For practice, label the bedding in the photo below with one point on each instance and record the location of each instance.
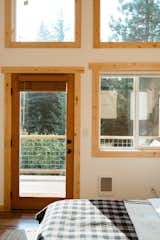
(144, 218)
(155, 202)
(86, 219)
(99, 219)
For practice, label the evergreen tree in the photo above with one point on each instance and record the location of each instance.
(44, 113)
(43, 34)
(54, 33)
(59, 30)
(139, 21)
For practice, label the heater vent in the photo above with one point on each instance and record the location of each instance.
(105, 185)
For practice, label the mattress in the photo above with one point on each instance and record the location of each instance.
(99, 219)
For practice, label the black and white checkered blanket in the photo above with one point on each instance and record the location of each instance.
(84, 219)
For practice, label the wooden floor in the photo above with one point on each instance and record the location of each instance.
(18, 220)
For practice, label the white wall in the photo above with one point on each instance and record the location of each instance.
(132, 178)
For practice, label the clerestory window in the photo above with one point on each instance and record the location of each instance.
(43, 23)
(126, 23)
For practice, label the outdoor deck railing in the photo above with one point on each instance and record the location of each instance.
(42, 154)
(123, 141)
(116, 141)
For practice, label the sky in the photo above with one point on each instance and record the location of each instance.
(30, 16)
(108, 9)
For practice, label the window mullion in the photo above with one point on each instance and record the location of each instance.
(136, 112)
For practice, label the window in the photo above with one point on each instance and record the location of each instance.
(43, 23)
(126, 23)
(126, 110)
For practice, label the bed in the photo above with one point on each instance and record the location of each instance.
(100, 219)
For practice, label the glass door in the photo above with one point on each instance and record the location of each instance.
(42, 159)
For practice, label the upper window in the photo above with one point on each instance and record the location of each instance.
(126, 112)
(127, 23)
(43, 23)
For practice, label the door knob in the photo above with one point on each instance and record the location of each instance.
(69, 151)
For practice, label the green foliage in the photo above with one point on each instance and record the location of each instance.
(43, 113)
(42, 154)
(116, 83)
(138, 22)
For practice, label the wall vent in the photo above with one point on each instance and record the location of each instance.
(105, 185)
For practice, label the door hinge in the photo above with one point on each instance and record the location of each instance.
(11, 142)
(11, 91)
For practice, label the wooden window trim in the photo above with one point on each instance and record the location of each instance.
(13, 44)
(97, 68)
(8, 71)
(96, 35)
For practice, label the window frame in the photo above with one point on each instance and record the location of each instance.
(9, 43)
(96, 35)
(97, 70)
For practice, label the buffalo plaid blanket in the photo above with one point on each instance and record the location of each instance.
(86, 219)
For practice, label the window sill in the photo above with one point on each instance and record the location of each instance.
(43, 44)
(127, 153)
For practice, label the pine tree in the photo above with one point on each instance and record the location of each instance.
(139, 21)
(53, 33)
(43, 113)
(59, 30)
(43, 34)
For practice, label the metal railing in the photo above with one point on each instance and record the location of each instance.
(42, 154)
(116, 141)
(124, 141)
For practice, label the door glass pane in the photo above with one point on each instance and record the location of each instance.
(116, 112)
(42, 168)
(149, 111)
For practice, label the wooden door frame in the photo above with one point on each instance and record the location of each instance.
(40, 83)
(8, 71)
